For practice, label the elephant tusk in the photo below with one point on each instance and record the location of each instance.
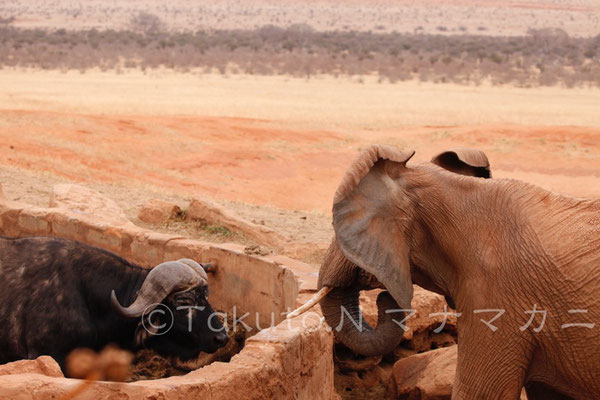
(311, 302)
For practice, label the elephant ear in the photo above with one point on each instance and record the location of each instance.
(465, 162)
(369, 216)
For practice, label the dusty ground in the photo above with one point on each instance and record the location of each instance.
(486, 17)
(135, 137)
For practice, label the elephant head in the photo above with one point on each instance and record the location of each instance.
(375, 216)
(463, 161)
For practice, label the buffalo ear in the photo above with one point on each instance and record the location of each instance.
(141, 336)
(145, 330)
(465, 162)
(369, 216)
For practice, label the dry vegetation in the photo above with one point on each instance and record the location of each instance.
(487, 17)
(544, 57)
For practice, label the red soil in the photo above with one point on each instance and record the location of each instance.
(259, 162)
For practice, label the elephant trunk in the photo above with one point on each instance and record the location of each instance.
(342, 313)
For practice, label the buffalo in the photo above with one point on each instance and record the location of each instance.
(58, 294)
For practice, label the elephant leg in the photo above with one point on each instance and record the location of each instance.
(489, 367)
(539, 391)
(487, 382)
(490, 387)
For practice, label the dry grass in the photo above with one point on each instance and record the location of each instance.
(322, 102)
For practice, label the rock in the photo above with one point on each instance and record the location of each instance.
(419, 337)
(214, 214)
(157, 211)
(43, 365)
(428, 375)
(424, 302)
(256, 250)
(1, 192)
(87, 202)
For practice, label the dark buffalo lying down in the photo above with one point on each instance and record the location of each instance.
(55, 296)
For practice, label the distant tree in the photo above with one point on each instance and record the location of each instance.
(144, 22)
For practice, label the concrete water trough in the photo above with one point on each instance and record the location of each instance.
(281, 358)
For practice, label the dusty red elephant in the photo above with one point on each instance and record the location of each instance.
(485, 244)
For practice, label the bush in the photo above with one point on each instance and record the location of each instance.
(147, 23)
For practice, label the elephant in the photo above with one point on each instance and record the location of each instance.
(518, 264)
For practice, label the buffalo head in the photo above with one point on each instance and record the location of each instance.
(176, 318)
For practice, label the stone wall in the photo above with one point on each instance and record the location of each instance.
(263, 285)
(292, 360)
(278, 364)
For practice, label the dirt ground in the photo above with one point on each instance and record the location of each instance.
(104, 131)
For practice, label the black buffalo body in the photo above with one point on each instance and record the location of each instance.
(55, 296)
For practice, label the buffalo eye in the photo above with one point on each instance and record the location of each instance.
(185, 300)
(185, 303)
